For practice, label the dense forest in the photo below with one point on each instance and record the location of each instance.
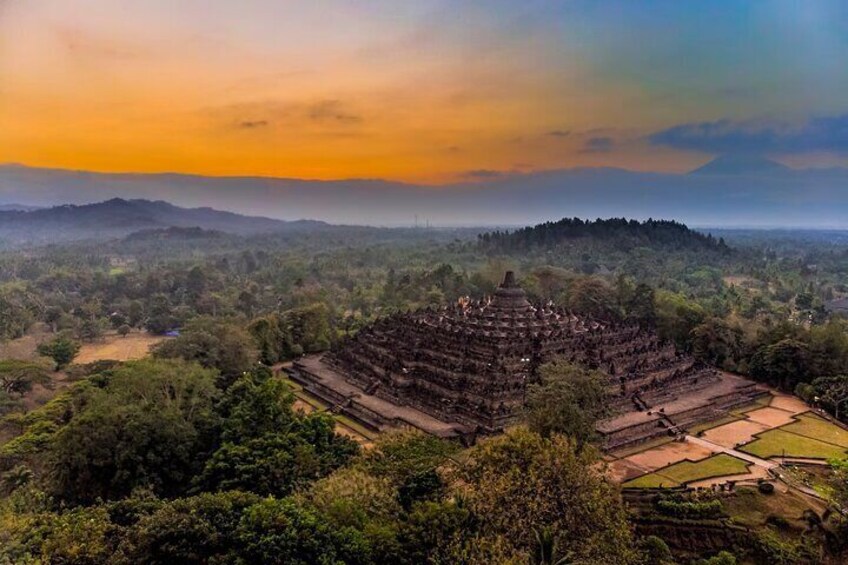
(198, 454)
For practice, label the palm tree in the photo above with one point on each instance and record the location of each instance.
(16, 477)
(545, 551)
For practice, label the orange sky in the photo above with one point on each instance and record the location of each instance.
(426, 91)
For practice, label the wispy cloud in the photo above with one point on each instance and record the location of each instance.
(83, 43)
(483, 174)
(559, 133)
(331, 110)
(828, 134)
(598, 145)
(253, 124)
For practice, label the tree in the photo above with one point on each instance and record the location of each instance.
(640, 305)
(593, 297)
(198, 529)
(18, 377)
(677, 316)
(783, 364)
(717, 343)
(545, 551)
(151, 425)
(520, 482)
(62, 349)
(222, 345)
(401, 456)
(268, 448)
(569, 400)
(277, 463)
(284, 532)
(123, 330)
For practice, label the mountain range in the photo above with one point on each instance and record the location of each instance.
(730, 191)
(118, 217)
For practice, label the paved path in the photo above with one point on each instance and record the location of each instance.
(764, 463)
(786, 478)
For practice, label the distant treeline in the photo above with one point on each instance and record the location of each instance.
(621, 232)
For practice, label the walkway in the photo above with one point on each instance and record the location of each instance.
(771, 466)
(764, 463)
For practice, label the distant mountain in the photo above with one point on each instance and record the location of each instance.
(118, 217)
(17, 208)
(790, 198)
(741, 165)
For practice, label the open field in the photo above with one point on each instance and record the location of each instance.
(24, 347)
(669, 454)
(734, 433)
(789, 403)
(115, 347)
(689, 471)
(771, 417)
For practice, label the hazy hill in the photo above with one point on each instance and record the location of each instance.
(119, 217)
(620, 233)
(17, 208)
(741, 165)
(730, 192)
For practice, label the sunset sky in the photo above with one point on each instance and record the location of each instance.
(425, 91)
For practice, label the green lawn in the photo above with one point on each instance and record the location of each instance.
(356, 426)
(816, 427)
(639, 448)
(694, 430)
(777, 443)
(311, 400)
(690, 471)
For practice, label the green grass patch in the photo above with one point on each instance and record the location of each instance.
(720, 465)
(763, 401)
(355, 426)
(311, 400)
(714, 424)
(777, 443)
(290, 383)
(639, 448)
(816, 427)
(651, 480)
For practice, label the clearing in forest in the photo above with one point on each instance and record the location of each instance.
(117, 348)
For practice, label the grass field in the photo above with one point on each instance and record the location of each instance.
(816, 427)
(750, 508)
(639, 448)
(729, 419)
(134, 346)
(689, 471)
(779, 443)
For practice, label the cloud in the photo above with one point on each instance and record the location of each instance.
(482, 174)
(828, 134)
(559, 133)
(253, 124)
(331, 110)
(83, 43)
(598, 145)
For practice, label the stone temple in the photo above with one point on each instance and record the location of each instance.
(462, 370)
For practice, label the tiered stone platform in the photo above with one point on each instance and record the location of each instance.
(463, 369)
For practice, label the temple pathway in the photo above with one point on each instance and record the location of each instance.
(764, 463)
